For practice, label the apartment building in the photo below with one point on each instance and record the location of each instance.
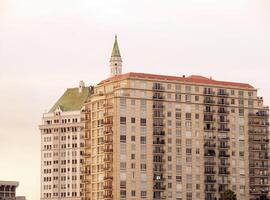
(174, 137)
(62, 147)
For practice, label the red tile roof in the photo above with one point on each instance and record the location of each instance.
(190, 79)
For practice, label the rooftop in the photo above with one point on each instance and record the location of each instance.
(9, 183)
(190, 79)
(72, 99)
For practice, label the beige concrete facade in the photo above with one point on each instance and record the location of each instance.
(156, 137)
(63, 147)
(159, 137)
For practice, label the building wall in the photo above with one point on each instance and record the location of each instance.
(62, 155)
(203, 153)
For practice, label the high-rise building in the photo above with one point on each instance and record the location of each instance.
(62, 147)
(170, 137)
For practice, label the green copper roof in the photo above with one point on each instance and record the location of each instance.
(115, 51)
(72, 99)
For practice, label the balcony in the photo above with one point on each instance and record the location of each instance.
(208, 101)
(159, 133)
(223, 155)
(159, 142)
(158, 88)
(224, 130)
(209, 163)
(223, 146)
(210, 153)
(209, 128)
(209, 119)
(158, 106)
(258, 123)
(209, 172)
(108, 178)
(157, 97)
(209, 145)
(107, 141)
(223, 94)
(223, 121)
(224, 164)
(158, 151)
(258, 166)
(259, 132)
(108, 187)
(225, 112)
(209, 111)
(108, 196)
(207, 92)
(223, 138)
(223, 173)
(158, 115)
(108, 150)
(158, 124)
(209, 137)
(223, 103)
(210, 190)
(210, 181)
(258, 115)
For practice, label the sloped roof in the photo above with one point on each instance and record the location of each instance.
(71, 100)
(190, 79)
(115, 51)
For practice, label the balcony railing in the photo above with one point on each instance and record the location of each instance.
(209, 145)
(209, 172)
(223, 155)
(209, 101)
(223, 129)
(209, 128)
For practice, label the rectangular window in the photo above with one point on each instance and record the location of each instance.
(143, 139)
(143, 122)
(122, 120)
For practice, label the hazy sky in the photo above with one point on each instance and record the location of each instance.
(49, 45)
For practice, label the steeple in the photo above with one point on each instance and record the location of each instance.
(115, 61)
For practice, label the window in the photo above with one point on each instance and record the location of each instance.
(123, 165)
(177, 87)
(122, 120)
(143, 194)
(143, 122)
(197, 98)
(133, 193)
(133, 120)
(133, 138)
(178, 97)
(143, 139)
(188, 151)
(188, 116)
(188, 98)
(123, 138)
(132, 156)
(133, 102)
(188, 88)
(123, 193)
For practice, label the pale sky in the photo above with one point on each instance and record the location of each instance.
(47, 46)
